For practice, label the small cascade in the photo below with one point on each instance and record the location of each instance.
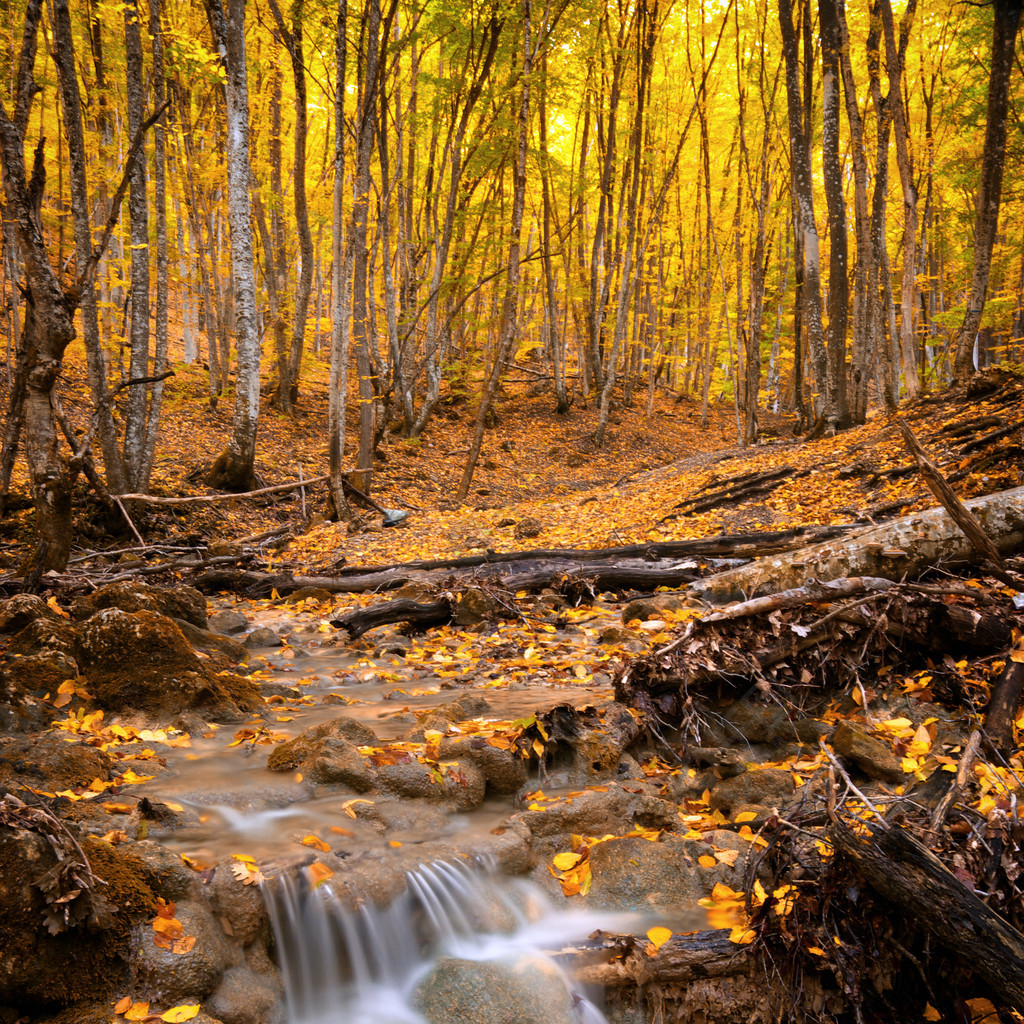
(362, 966)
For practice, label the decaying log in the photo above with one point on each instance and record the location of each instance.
(905, 872)
(947, 497)
(894, 550)
(1002, 707)
(618, 961)
(430, 613)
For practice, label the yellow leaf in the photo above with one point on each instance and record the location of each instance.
(727, 856)
(816, 950)
(564, 861)
(659, 936)
(137, 1011)
(317, 873)
(745, 816)
(178, 1014)
(930, 1013)
(707, 861)
(395, 843)
(315, 841)
(349, 804)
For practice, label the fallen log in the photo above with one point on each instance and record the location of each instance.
(896, 550)
(905, 872)
(430, 613)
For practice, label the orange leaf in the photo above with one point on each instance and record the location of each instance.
(123, 1004)
(137, 1011)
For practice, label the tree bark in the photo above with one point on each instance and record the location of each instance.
(234, 468)
(897, 549)
(1006, 15)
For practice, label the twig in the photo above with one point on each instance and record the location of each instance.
(849, 782)
(210, 498)
(128, 518)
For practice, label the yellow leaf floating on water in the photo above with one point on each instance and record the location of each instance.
(177, 1014)
(659, 936)
(316, 842)
(349, 804)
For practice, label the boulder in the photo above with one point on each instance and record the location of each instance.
(262, 636)
(46, 636)
(177, 602)
(760, 787)
(751, 722)
(18, 611)
(221, 650)
(169, 978)
(504, 771)
(654, 607)
(238, 907)
(141, 661)
(50, 763)
(461, 784)
(311, 742)
(228, 622)
(631, 873)
(245, 997)
(870, 754)
(526, 990)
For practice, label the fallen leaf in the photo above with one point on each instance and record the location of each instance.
(659, 936)
(177, 1014)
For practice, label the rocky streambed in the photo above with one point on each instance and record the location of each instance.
(161, 766)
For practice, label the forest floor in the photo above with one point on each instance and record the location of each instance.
(728, 732)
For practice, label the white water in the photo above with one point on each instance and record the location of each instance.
(343, 966)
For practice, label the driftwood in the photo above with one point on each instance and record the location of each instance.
(895, 550)
(909, 875)
(616, 961)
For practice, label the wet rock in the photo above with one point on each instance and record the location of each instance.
(758, 723)
(528, 527)
(245, 997)
(617, 635)
(504, 771)
(764, 787)
(592, 813)
(228, 622)
(475, 605)
(310, 742)
(18, 611)
(338, 762)
(590, 743)
(527, 989)
(873, 757)
(438, 719)
(645, 608)
(48, 762)
(631, 873)
(393, 646)
(177, 602)
(141, 661)
(173, 879)
(262, 636)
(461, 784)
(222, 650)
(404, 815)
(36, 674)
(238, 908)
(164, 976)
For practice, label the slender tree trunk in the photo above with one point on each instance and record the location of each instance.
(339, 307)
(838, 284)
(160, 204)
(510, 308)
(234, 468)
(1006, 15)
(908, 296)
(138, 210)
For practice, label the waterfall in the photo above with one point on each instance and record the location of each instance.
(362, 965)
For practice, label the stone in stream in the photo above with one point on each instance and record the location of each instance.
(141, 661)
(262, 636)
(760, 787)
(169, 978)
(229, 622)
(245, 996)
(177, 602)
(527, 989)
(504, 770)
(313, 742)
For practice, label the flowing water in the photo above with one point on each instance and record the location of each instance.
(364, 965)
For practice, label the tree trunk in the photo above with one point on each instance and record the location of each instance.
(510, 311)
(234, 468)
(339, 307)
(838, 284)
(138, 210)
(1006, 16)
